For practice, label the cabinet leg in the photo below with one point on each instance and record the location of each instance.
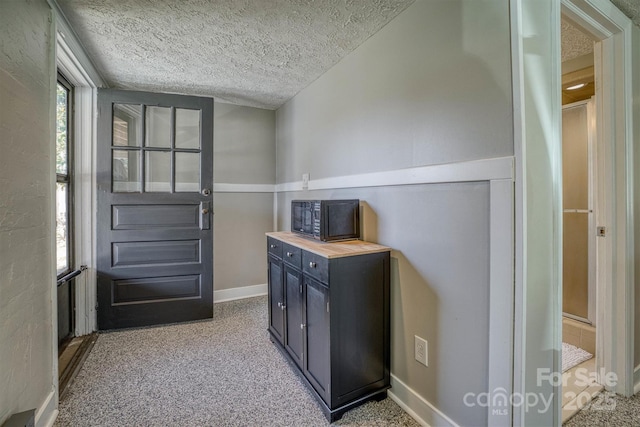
(380, 397)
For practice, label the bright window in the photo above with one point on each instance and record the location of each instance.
(63, 176)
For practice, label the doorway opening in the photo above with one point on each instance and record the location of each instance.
(611, 309)
(579, 224)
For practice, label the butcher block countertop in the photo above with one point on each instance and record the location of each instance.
(329, 249)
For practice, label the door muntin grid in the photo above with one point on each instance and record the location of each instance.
(155, 149)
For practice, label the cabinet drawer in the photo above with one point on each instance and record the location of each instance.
(315, 266)
(292, 255)
(275, 247)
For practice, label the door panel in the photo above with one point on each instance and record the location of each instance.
(293, 289)
(276, 299)
(575, 264)
(128, 254)
(129, 217)
(317, 347)
(128, 291)
(578, 216)
(155, 243)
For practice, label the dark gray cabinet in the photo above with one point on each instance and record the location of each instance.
(276, 299)
(329, 313)
(295, 322)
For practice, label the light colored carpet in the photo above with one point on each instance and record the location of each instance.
(224, 372)
(608, 410)
(572, 356)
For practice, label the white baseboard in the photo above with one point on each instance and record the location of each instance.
(239, 293)
(417, 406)
(48, 411)
(636, 379)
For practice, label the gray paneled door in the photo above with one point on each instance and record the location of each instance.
(155, 242)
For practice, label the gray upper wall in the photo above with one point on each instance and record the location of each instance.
(244, 147)
(27, 70)
(433, 86)
(244, 152)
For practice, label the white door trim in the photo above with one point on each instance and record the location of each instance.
(536, 72)
(536, 96)
(501, 298)
(78, 69)
(614, 189)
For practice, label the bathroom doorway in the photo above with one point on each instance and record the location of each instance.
(579, 224)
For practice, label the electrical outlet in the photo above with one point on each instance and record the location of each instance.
(305, 181)
(421, 350)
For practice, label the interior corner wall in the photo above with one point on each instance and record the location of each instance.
(433, 86)
(27, 73)
(244, 161)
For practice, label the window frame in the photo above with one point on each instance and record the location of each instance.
(68, 178)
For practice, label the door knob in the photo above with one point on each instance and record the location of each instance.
(205, 211)
(312, 264)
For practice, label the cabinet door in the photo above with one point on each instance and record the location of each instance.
(317, 360)
(293, 290)
(276, 299)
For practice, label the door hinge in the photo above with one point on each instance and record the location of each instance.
(327, 306)
(300, 288)
(601, 231)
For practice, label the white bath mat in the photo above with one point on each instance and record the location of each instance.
(572, 356)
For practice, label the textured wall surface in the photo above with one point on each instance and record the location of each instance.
(244, 152)
(251, 52)
(26, 229)
(433, 86)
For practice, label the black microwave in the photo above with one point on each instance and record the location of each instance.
(326, 220)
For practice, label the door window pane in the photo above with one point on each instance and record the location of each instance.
(158, 127)
(187, 172)
(187, 128)
(126, 171)
(126, 125)
(157, 171)
(62, 227)
(61, 129)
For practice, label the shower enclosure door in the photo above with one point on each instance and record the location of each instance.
(578, 277)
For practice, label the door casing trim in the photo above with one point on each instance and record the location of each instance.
(616, 322)
(614, 191)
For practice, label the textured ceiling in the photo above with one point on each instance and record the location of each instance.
(631, 8)
(249, 52)
(574, 42)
